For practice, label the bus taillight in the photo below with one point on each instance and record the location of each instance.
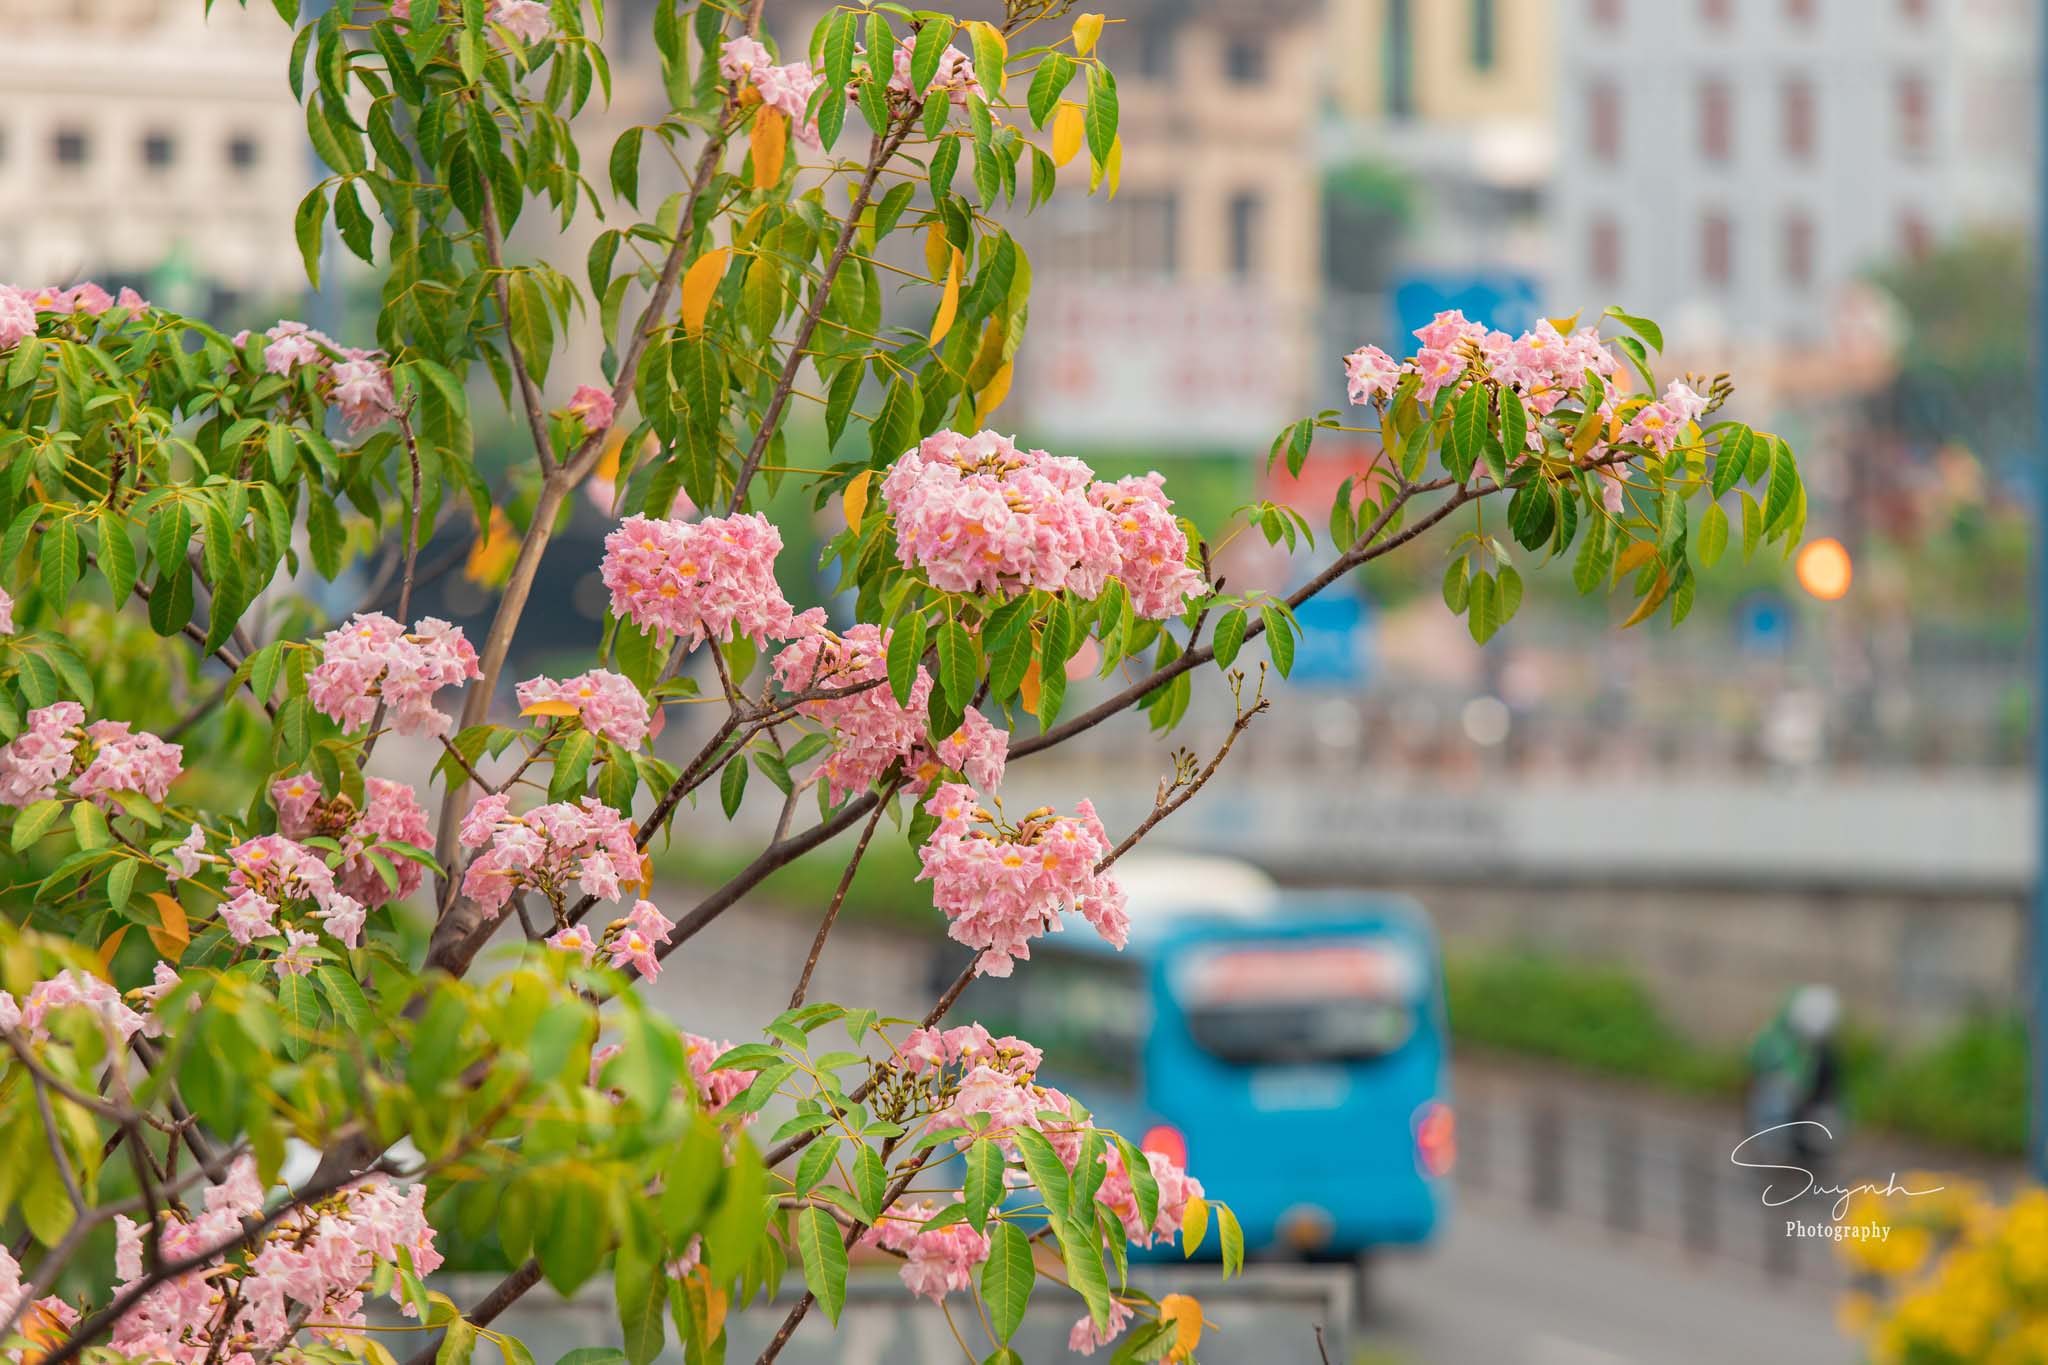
(1436, 1138)
(1167, 1141)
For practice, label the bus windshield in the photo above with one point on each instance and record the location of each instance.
(1309, 1001)
(1088, 1014)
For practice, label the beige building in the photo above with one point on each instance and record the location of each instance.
(141, 136)
(1184, 309)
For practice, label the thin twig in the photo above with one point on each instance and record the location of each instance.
(803, 981)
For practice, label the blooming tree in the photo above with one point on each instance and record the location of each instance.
(226, 942)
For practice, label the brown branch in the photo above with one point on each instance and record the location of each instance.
(501, 289)
(803, 981)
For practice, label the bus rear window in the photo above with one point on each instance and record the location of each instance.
(1302, 1001)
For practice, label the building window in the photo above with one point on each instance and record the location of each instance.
(1244, 234)
(1797, 109)
(1798, 249)
(242, 152)
(1398, 54)
(1916, 239)
(1716, 119)
(1913, 9)
(1244, 61)
(1799, 11)
(1717, 249)
(1913, 115)
(1606, 13)
(1485, 21)
(158, 150)
(71, 146)
(1717, 12)
(1603, 250)
(1603, 121)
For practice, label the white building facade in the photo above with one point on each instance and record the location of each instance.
(1727, 166)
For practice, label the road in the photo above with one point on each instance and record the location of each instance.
(1505, 1286)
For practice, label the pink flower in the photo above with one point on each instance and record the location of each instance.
(188, 855)
(40, 756)
(391, 813)
(527, 20)
(130, 301)
(296, 960)
(1176, 1187)
(1002, 888)
(87, 298)
(1152, 547)
(1659, 425)
(744, 61)
(371, 658)
(248, 916)
(126, 762)
(937, 1261)
(362, 386)
(593, 406)
(954, 79)
(606, 703)
(713, 579)
(715, 1089)
(72, 989)
(17, 317)
(549, 849)
(1372, 374)
(633, 940)
(1086, 1338)
(977, 514)
(576, 939)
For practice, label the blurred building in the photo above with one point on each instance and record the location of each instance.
(1727, 165)
(145, 142)
(1184, 310)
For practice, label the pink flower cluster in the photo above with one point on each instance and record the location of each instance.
(715, 1089)
(1545, 365)
(1085, 1338)
(126, 761)
(18, 307)
(119, 759)
(787, 88)
(977, 514)
(37, 1319)
(955, 78)
(527, 20)
(38, 758)
(358, 383)
(968, 1045)
(712, 579)
(630, 942)
(607, 704)
(1001, 888)
(391, 812)
(1176, 1187)
(6, 612)
(584, 844)
(592, 407)
(870, 730)
(373, 659)
(1658, 425)
(318, 1259)
(269, 872)
(70, 989)
(936, 1261)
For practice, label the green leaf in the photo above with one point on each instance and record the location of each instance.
(824, 1258)
(306, 227)
(1752, 525)
(1482, 607)
(1642, 327)
(1279, 637)
(1101, 118)
(121, 883)
(1007, 1277)
(932, 36)
(60, 561)
(983, 1188)
(342, 992)
(625, 166)
(1055, 69)
(959, 663)
(1514, 424)
(1457, 584)
(641, 1288)
(1510, 582)
(1229, 637)
(572, 765)
(116, 557)
(1085, 1275)
(1468, 431)
(35, 821)
(1713, 534)
(906, 650)
(1731, 460)
(1780, 495)
(1230, 1237)
(732, 787)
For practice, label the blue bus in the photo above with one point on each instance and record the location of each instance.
(1289, 1048)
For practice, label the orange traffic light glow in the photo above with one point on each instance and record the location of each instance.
(1824, 569)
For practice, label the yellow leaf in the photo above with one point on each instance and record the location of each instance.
(991, 397)
(175, 932)
(1087, 29)
(1111, 171)
(109, 948)
(646, 875)
(770, 141)
(1634, 557)
(1028, 689)
(1565, 325)
(1649, 604)
(983, 28)
(855, 499)
(549, 708)
(1194, 1226)
(1069, 127)
(938, 251)
(700, 282)
(715, 1304)
(1184, 1311)
(949, 302)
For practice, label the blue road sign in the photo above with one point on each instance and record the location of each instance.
(1503, 300)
